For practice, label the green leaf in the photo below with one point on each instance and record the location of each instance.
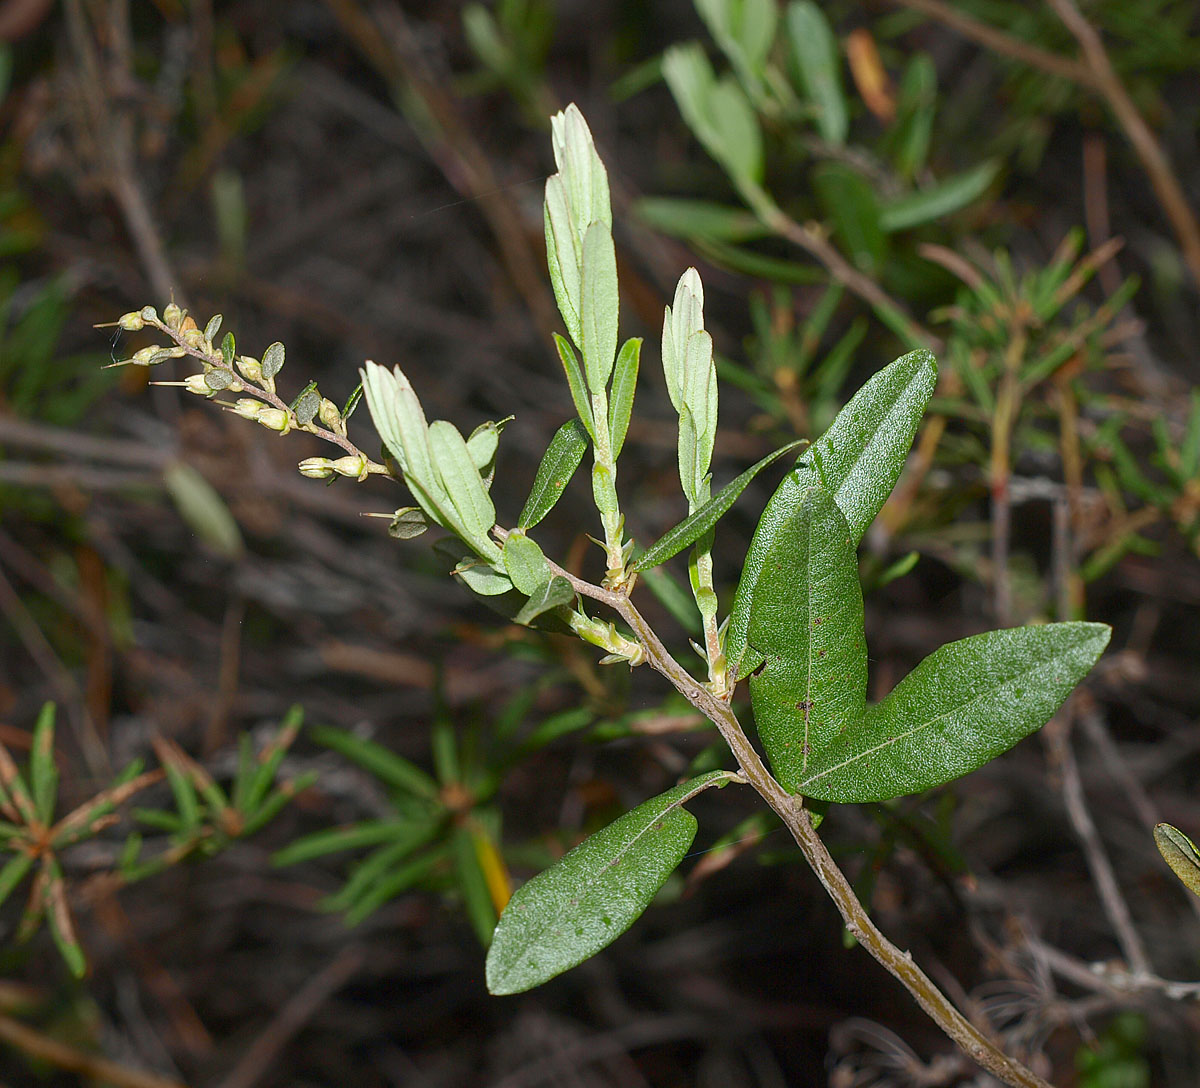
(212, 328)
(1180, 853)
(472, 884)
(745, 31)
(228, 349)
(202, 508)
(740, 148)
(272, 360)
(916, 104)
(858, 460)
(307, 404)
(692, 219)
(849, 201)
(925, 205)
(592, 895)
(383, 763)
(694, 526)
(13, 873)
(216, 380)
(601, 306)
(553, 594)
(43, 771)
(407, 523)
(807, 622)
(561, 459)
(816, 68)
(575, 383)
(335, 839)
(525, 563)
(623, 388)
(562, 255)
(962, 706)
(462, 483)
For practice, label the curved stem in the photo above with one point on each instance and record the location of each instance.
(790, 810)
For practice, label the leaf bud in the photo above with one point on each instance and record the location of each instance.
(350, 466)
(195, 383)
(247, 407)
(249, 368)
(132, 321)
(275, 419)
(173, 316)
(317, 468)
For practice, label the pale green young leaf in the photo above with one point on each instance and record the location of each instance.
(695, 525)
(561, 459)
(700, 219)
(601, 306)
(925, 205)
(43, 770)
(816, 68)
(744, 30)
(624, 387)
(482, 444)
(680, 321)
(525, 563)
(733, 118)
(461, 482)
(575, 383)
(400, 421)
(1180, 853)
(582, 171)
(555, 593)
(858, 460)
(595, 893)
(806, 621)
(962, 706)
(563, 255)
(690, 79)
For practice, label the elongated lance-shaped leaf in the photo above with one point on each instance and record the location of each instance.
(601, 306)
(857, 460)
(563, 255)
(807, 622)
(694, 526)
(13, 873)
(559, 462)
(624, 386)
(1180, 853)
(592, 895)
(925, 205)
(43, 771)
(333, 840)
(816, 67)
(575, 383)
(680, 320)
(461, 482)
(389, 768)
(965, 704)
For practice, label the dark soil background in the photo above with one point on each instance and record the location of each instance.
(392, 211)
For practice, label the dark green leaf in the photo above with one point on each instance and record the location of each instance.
(407, 523)
(700, 219)
(858, 460)
(352, 403)
(806, 621)
(217, 379)
(908, 138)
(228, 349)
(554, 594)
(472, 884)
(588, 898)
(962, 706)
(13, 873)
(624, 385)
(306, 406)
(335, 839)
(816, 68)
(849, 201)
(694, 526)
(212, 328)
(925, 205)
(575, 381)
(559, 463)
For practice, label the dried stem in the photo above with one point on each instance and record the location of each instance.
(790, 810)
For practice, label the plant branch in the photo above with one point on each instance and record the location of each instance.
(790, 809)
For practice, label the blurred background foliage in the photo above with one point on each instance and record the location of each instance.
(1005, 182)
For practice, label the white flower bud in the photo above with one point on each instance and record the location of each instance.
(173, 316)
(317, 468)
(196, 384)
(131, 322)
(349, 466)
(275, 419)
(248, 408)
(149, 313)
(194, 338)
(250, 369)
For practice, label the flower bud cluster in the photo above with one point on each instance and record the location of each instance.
(322, 468)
